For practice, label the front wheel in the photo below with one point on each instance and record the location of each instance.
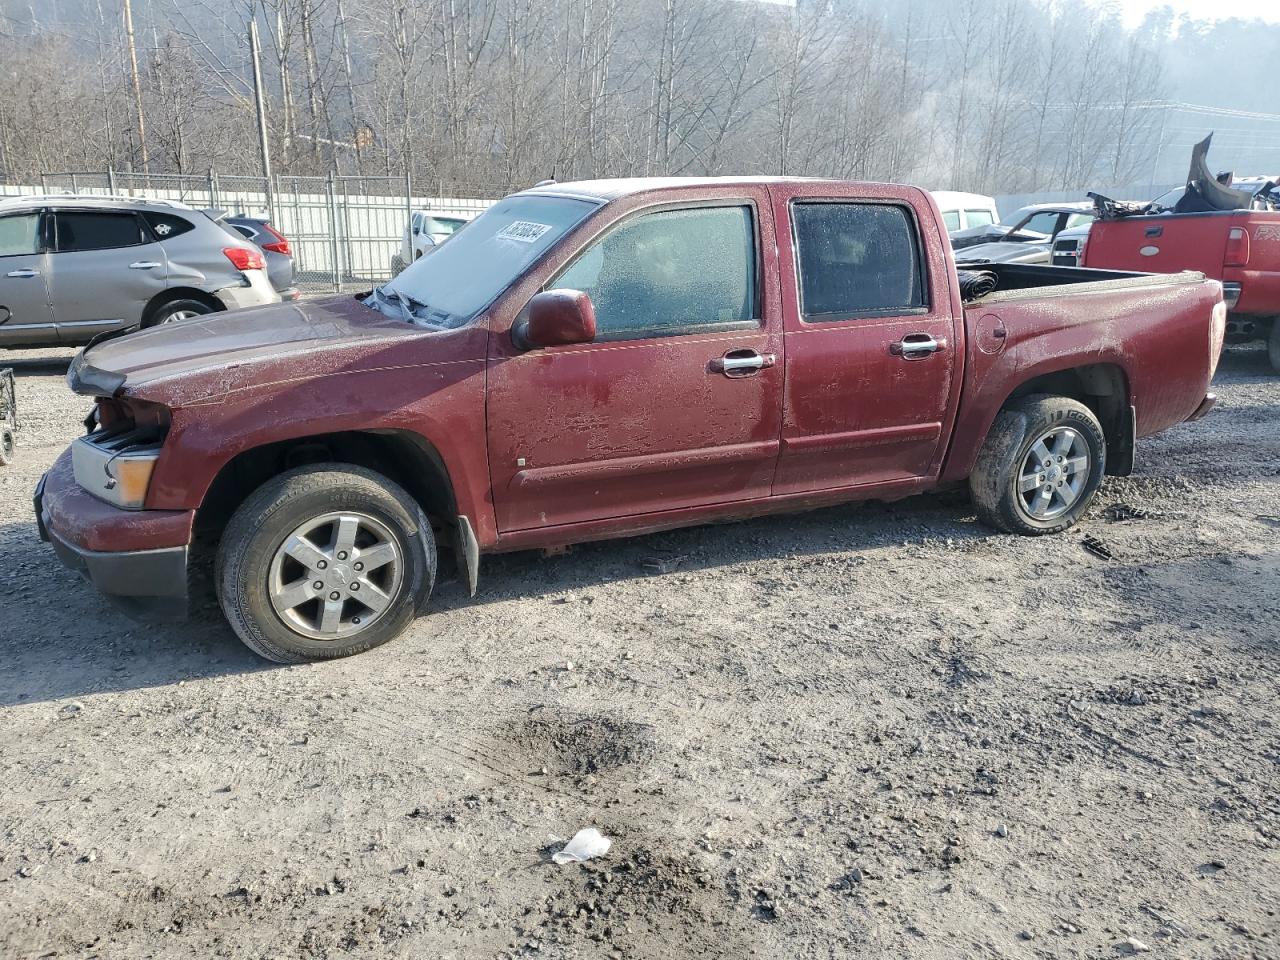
(1040, 466)
(324, 562)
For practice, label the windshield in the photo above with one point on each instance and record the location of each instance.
(462, 277)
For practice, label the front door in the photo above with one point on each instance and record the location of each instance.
(25, 317)
(105, 269)
(676, 404)
(870, 342)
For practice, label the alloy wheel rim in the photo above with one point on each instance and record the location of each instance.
(335, 575)
(181, 315)
(1054, 474)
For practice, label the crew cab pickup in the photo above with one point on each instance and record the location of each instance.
(602, 359)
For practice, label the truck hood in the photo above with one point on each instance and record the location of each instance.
(214, 354)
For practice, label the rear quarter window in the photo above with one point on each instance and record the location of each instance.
(166, 226)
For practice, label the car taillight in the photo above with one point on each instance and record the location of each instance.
(243, 259)
(1237, 254)
(280, 244)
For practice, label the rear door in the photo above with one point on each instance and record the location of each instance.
(649, 417)
(872, 339)
(104, 270)
(25, 316)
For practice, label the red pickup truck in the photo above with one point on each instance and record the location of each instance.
(1226, 228)
(601, 359)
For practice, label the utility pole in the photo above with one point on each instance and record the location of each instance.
(260, 102)
(137, 86)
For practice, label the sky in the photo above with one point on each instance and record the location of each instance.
(1134, 10)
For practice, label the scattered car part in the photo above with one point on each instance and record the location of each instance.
(1119, 512)
(1097, 547)
(8, 416)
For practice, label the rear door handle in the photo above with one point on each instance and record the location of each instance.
(917, 346)
(144, 265)
(741, 363)
(23, 274)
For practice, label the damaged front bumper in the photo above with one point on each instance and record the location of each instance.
(147, 578)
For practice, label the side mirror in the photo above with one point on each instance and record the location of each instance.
(556, 318)
(417, 230)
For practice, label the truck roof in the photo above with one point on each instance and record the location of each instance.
(615, 188)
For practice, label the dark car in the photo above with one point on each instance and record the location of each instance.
(1038, 223)
(275, 248)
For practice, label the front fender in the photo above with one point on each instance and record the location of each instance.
(443, 403)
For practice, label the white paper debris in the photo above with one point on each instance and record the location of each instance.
(586, 845)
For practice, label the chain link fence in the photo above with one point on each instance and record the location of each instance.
(346, 232)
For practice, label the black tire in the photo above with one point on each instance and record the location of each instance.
(994, 483)
(173, 309)
(7, 445)
(273, 512)
(1273, 344)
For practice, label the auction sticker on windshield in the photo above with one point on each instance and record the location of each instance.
(525, 231)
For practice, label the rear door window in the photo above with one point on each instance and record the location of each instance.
(979, 218)
(85, 230)
(857, 260)
(166, 226)
(20, 235)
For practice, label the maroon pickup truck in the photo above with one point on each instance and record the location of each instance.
(601, 359)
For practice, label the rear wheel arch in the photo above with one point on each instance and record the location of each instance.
(1104, 389)
(165, 297)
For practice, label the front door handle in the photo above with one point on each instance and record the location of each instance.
(741, 363)
(917, 346)
(23, 274)
(144, 265)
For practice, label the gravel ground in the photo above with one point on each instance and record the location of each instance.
(879, 731)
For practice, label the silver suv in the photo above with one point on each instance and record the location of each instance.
(72, 267)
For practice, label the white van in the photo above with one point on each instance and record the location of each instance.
(960, 211)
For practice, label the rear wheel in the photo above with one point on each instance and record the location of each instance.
(324, 562)
(1040, 466)
(183, 309)
(7, 445)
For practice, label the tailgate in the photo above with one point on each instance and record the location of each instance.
(1160, 244)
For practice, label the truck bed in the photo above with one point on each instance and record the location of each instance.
(1020, 281)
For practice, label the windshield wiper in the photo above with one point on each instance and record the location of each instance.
(408, 305)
